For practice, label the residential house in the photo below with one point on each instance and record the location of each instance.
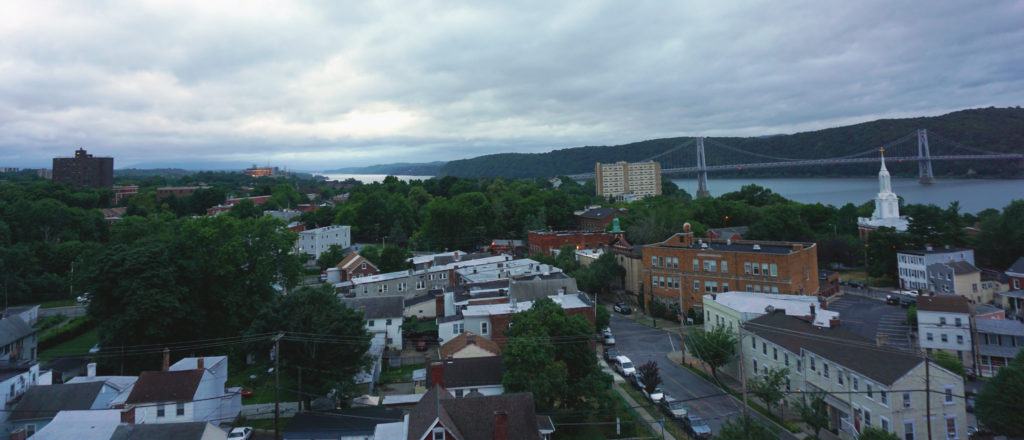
(81, 425)
(1012, 302)
(350, 423)
(943, 323)
(913, 264)
(29, 314)
(314, 242)
(864, 385)
(551, 242)
(992, 283)
(956, 278)
(681, 269)
(415, 282)
(15, 380)
(384, 317)
(17, 340)
(468, 345)
(183, 394)
(422, 306)
(355, 266)
(169, 431)
(729, 233)
(1015, 273)
(41, 403)
(998, 342)
(594, 218)
(490, 318)
(468, 376)
(732, 309)
(440, 416)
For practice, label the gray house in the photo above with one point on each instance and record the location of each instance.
(17, 340)
(999, 341)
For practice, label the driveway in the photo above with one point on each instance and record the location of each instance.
(869, 317)
(642, 344)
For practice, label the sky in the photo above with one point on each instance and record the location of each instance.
(321, 85)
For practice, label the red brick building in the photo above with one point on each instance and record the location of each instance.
(355, 266)
(177, 191)
(595, 219)
(547, 242)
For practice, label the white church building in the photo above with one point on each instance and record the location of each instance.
(887, 207)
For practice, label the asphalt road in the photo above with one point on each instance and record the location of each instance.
(69, 311)
(642, 344)
(869, 317)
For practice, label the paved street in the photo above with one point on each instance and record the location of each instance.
(642, 343)
(868, 317)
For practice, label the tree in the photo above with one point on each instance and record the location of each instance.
(912, 316)
(746, 428)
(768, 386)
(949, 361)
(603, 318)
(245, 209)
(566, 376)
(333, 356)
(600, 275)
(393, 258)
(331, 257)
(872, 433)
(371, 252)
(814, 413)
(997, 406)
(715, 347)
(649, 371)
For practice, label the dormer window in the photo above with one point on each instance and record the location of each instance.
(438, 433)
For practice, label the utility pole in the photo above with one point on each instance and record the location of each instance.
(301, 396)
(927, 394)
(743, 375)
(277, 385)
(682, 325)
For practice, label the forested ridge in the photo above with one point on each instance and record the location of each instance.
(991, 129)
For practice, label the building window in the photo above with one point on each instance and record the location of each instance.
(813, 366)
(885, 424)
(799, 365)
(696, 285)
(458, 394)
(951, 427)
(725, 287)
(755, 366)
(785, 358)
(944, 337)
(956, 321)
(929, 336)
(775, 353)
(369, 323)
(160, 411)
(387, 322)
(942, 320)
(906, 399)
(824, 368)
(696, 265)
(725, 266)
(756, 270)
(654, 261)
(867, 418)
(483, 328)
(764, 269)
(856, 386)
(774, 270)
(871, 394)
(438, 433)
(960, 339)
(908, 430)
(839, 375)
(180, 410)
(948, 398)
(883, 397)
(764, 348)
(746, 268)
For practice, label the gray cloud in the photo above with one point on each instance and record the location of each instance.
(322, 85)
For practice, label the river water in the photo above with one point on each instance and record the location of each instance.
(973, 194)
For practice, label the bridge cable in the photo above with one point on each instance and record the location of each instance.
(674, 149)
(934, 135)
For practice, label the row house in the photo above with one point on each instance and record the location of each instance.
(864, 385)
(412, 282)
(998, 342)
(912, 265)
(1015, 274)
(944, 323)
(551, 242)
(489, 318)
(383, 318)
(314, 242)
(681, 269)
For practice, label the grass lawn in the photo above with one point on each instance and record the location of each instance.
(76, 347)
(655, 411)
(859, 275)
(263, 385)
(600, 424)
(401, 374)
(58, 303)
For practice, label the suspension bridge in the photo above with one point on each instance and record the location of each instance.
(898, 150)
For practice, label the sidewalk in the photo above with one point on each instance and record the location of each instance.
(653, 423)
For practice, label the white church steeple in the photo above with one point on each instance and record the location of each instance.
(887, 205)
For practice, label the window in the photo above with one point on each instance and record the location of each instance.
(746, 268)
(775, 353)
(885, 424)
(369, 323)
(855, 385)
(775, 289)
(929, 336)
(824, 368)
(883, 397)
(945, 338)
(764, 348)
(756, 270)
(696, 285)
(696, 265)
(438, 433)
(764, 269)
(813, 367)
(420, 285)
(871, 394)
(799, 365)
(654, 261)
(785, 358)
(774, 270)
(725, 266)
(948, 398)
(755, 366)
(387, 322)
(839, 375)
(753, 344)
(867, 418)
(362, 266)
(906, 399)
(956, 321)
(180, 409)
(960, 339)
(725, 287)
(160, 412)
(483, 328)
(458, 394)
(787, 384)
(942, 320)
(908, 430)
(951, 427)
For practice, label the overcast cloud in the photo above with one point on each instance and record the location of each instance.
(208, 83)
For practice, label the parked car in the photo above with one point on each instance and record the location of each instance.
(892, 299)
(625, 366)
(421, 345)
(672, 407)
(696, 427)
(906, 301)
(610, 354)
(240, 433)
(637, 380)
(622, 308)
(856, 284)
(608, 339)
(655, 395)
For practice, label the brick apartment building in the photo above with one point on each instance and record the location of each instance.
(177, 191)
(84, 170)
(682, 269)
(547, 242)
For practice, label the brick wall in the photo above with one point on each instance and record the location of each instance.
(548, 242)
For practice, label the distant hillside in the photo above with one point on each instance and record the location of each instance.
(992, 129)
(401, 168)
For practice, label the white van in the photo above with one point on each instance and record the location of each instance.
(625, 366)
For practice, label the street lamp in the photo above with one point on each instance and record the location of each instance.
(867, 277)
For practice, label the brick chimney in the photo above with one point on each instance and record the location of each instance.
(200, 363)
(500, 425)
(128, 416)
(437, 374)
(167, 359)
(439, 305)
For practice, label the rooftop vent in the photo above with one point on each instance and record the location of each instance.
(757, 247)
(703, 245)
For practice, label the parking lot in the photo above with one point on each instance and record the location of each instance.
(869, 317)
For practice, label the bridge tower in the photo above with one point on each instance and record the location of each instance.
(924, 162)
(702, 170)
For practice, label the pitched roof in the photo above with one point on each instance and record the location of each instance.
(949, 304)
(45, 401)
(166, 386)
(837, 345)
(377, 307)
(597, 213)
(472, 372)
(1000, 326)
(962, 267)
(427, 410)
(350, 422)
(1017, 266)
(465, 339)
(81, 425)
(354, 259)
(162, 431)
(13, 328)
(472, 418)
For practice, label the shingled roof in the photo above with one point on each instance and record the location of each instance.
(162, 431)
(472, 418)
(45, 401)
(948, 304)
(166, 386)
(13, 328)
(465, 339)
(835, 344)
(377, 307)
(472, 372)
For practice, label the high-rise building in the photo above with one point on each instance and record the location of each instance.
(622, 179)
(84, 170)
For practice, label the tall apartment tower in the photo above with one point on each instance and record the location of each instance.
(628, 180)
(84, 170)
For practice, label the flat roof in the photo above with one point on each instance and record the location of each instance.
(936, 250)
(566, 301)
(738, 246)
(794, 305)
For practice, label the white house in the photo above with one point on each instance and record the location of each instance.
(185, 394)
(81, 425)
(943, 323)
(468, 375)
(14, 381)
(384, 317)
(313, 242)
(913, 264)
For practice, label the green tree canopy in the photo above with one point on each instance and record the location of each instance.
(813, 412)
(872, 433)
(998, 407)
(768, 387)
(331, 257)
(949, 361)
(746, 428)
(715, 347)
